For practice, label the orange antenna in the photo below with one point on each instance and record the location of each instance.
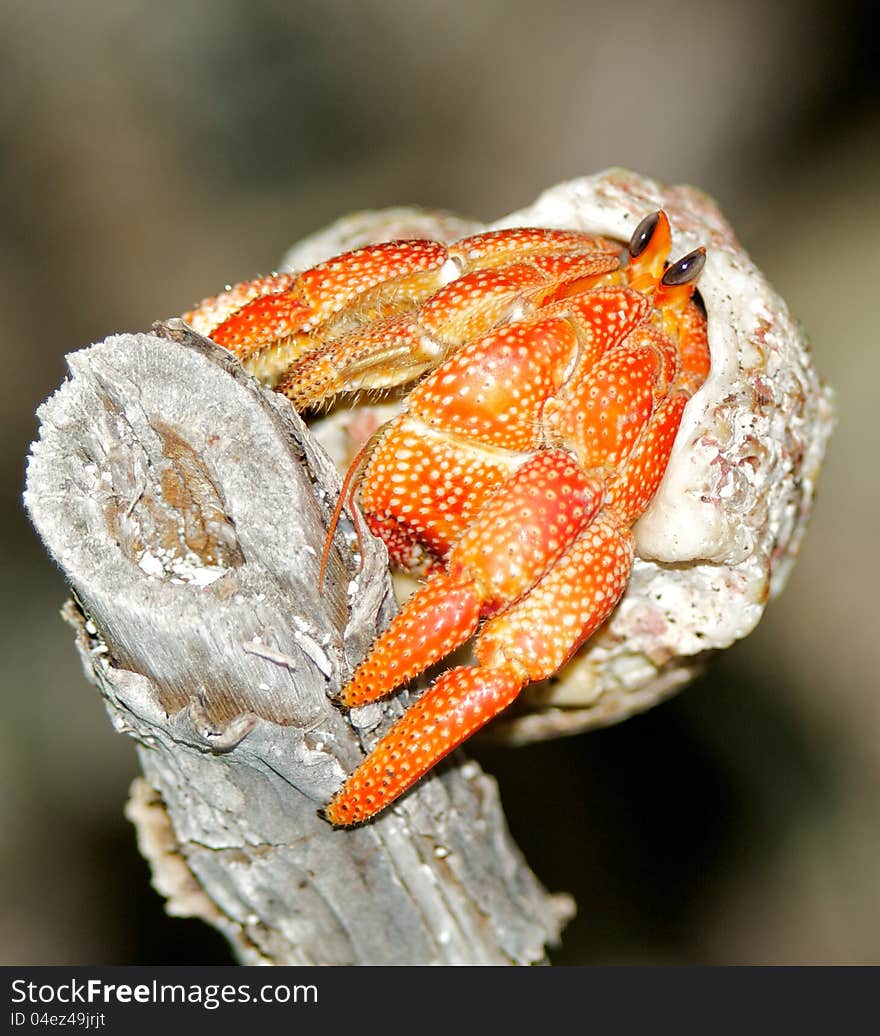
(346, 493)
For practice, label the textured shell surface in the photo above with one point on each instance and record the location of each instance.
(720, 536)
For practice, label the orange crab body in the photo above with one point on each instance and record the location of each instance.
(553, 380)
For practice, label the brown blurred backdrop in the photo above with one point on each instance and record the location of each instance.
(153, 152)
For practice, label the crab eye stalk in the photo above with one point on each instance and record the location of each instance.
(685, 270)
(642, 235)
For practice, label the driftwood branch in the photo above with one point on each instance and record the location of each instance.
(187, 507)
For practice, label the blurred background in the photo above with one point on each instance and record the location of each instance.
(152, 153)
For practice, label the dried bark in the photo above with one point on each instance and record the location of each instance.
(187, 507)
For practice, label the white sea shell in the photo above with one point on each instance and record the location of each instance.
(720, 536)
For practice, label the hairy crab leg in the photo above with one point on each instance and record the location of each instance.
(212, 312)
(393, 352)
(272, 322)
(396, 350)
(271, 331)
(501, 247)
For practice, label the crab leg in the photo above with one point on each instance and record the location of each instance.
(428, 481)
(397, 350)
(603, 416)
(461, 702)
(273, 321)
(392, 352)
(212, 312)
(528, 642)
(500, 247)
(270, 331)
(413, 486)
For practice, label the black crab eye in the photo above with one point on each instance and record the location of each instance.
(685, 270)
(643, 234)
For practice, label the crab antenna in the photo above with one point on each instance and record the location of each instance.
(346, 495)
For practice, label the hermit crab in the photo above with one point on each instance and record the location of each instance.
(600, 454)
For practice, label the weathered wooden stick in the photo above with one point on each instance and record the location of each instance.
(187, 508)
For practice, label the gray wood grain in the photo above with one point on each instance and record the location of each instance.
(187, 507)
